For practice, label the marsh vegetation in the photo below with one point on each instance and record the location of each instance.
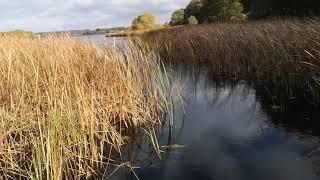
(205, 100)
(68, 107)
(281, 53)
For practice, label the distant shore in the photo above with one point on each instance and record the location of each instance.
(125, 34)
(131, 33)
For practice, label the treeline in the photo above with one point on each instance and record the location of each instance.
(258, 9)
(200, 11)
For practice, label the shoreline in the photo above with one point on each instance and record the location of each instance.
(138, 32)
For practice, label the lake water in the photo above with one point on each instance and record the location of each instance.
(228, 131)
(100, 39)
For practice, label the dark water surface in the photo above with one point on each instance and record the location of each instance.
(227, 131)
(226, 134)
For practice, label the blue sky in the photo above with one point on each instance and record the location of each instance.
(53, 15)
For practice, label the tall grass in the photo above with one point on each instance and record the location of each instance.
(18, 34)
(284, 53)
(67, 106)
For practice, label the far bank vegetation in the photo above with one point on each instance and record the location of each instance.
(144, 23)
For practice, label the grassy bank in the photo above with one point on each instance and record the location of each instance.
(137, 32)
(18, 34)
(284, 53)
(126, 33)
(66, 106)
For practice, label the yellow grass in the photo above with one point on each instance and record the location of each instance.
(18, 34)
(65, 106)
(280, 53)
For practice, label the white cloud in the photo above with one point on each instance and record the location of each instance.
(52, 15)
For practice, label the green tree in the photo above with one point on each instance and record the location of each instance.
(177, 18)
(223, 10)
(145, 21)
(166, 24)
(194, 9)
(192, 20)
(270, 8)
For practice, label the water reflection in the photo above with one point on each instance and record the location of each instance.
(228, 131)
(225, 134)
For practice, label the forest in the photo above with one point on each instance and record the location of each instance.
(204, 11)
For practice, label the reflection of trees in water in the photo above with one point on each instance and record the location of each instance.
(314, 157)
(296, 115)
(296, 112)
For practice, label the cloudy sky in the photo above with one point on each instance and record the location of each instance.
(53, 15)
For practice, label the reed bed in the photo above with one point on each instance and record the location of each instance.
(18, 34)
(67, 107)
(284, 53)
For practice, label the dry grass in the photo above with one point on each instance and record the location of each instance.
(18, 34)
(285, 53)
(66, 106)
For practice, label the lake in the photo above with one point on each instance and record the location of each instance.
(100, 39)
(226, 130)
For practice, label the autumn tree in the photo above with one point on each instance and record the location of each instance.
(145, 21)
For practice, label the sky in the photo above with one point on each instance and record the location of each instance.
(56, 15)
